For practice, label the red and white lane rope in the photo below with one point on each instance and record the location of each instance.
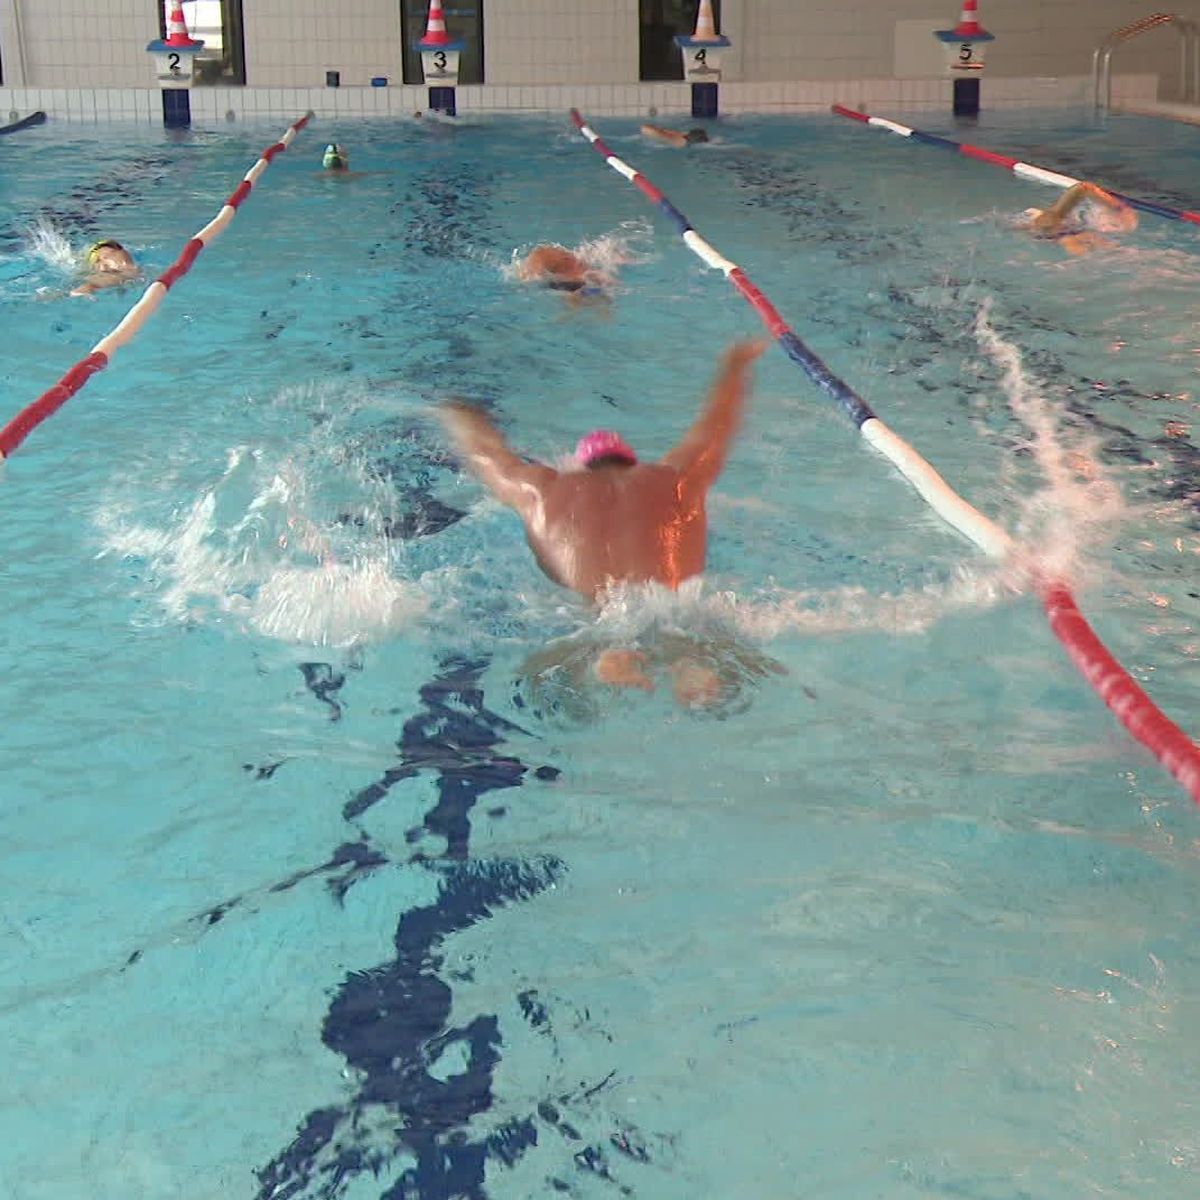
(1132, 707)
(28, 419)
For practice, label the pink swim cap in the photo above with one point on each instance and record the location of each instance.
(602, 443)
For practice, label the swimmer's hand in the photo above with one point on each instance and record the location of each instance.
(469, 427)
(741, 353)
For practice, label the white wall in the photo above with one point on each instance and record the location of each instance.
(291, 43)
(560, 41)
(842, 39)
(77, 43)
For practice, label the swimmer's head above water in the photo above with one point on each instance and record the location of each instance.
(109, 255)
(695, 135)
(602, 448)
(335, 158)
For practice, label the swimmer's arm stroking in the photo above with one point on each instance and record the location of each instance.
(487, 455)
(1066, 204)
(701, 454)
(1126, 218)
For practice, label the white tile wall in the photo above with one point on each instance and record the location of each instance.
(211, 105)
(293, 43)
(536, 43)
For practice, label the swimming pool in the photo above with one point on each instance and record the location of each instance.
(305, 897)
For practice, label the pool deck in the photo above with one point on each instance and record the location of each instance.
(1175, 111)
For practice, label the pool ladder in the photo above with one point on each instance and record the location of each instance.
(1189, 56)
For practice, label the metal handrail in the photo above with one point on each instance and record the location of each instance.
(1189, 56)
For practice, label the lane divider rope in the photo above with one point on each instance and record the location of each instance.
(1124, 697)
(19, 428)
(1023, 169)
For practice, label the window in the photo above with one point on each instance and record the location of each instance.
(661, 20)
(464, 19)
(218, 23)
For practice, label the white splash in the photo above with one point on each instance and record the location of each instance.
(766, 613)
(627, 245)
(253, 549)
(46, 242)
(1078, 504)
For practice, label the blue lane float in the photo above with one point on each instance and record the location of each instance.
(1169, 744)
(34, 118)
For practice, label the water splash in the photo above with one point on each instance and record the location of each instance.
(46, 242)
(702, 607)
(259, 548)
(629, 244)
(1077, 505)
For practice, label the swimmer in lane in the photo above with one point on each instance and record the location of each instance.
(1078, 231)
(561, 270)
(673, 137)
(109, 265)
(335, 163)
(617, 520)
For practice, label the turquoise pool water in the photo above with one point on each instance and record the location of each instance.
(304, 896)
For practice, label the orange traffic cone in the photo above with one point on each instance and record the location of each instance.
(177, 34)
(969, 26)
(706, 26)
(435, 26)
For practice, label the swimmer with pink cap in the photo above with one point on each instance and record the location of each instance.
(603, 444)
(619, 520)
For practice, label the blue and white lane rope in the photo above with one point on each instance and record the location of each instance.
(1173, 748)
(950, 506)
(1023, 169)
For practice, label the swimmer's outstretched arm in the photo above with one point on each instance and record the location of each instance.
(670, 136)
(1070, 200)
(1076, 194)
(482, 447)
(701, 454)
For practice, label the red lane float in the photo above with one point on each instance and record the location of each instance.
(1113, 684)
(29, 418)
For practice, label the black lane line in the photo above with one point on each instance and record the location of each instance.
(390, 1023)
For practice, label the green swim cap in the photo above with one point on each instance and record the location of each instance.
(335, 158)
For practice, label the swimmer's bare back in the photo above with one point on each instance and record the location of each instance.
(552, 261)
(614, 522)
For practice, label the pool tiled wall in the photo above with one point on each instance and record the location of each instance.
(535, 43)
(878, 95)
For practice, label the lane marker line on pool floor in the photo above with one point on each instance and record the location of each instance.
(1119, 691)
(50, 401)
(1024, 169)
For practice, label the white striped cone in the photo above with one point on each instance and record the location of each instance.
(706, 29)
(177, 33)
(435, 26)
(968, 24)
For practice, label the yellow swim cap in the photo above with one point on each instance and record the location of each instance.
(95, 248)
